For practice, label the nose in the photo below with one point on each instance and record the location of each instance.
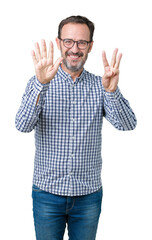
(75, 48)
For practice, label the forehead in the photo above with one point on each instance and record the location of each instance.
(75, 31)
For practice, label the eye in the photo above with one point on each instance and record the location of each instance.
(82, 43)
(68, 42)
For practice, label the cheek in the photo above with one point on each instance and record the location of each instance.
(63, 53)
(85, 54)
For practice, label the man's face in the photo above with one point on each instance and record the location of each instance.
(74, 58)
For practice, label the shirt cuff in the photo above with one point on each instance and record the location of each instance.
(39, 86)
(113, 96)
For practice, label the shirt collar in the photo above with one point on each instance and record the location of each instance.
(66, 75)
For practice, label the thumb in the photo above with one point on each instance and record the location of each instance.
(108, 74)
(116, 71)
(57, 63)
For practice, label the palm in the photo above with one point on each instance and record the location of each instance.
(44, 67)
(111, 74)
(44, 70)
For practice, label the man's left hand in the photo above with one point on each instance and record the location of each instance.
(111, 75)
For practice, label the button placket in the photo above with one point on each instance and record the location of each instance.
(72, 137)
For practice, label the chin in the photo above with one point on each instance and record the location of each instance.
(73, 68)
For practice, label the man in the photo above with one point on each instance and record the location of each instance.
(65, 106)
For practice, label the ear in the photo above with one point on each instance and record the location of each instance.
(58, 43)
(91, 45)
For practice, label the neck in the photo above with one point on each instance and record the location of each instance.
(74, 75)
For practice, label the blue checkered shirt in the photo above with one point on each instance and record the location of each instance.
(67, 122)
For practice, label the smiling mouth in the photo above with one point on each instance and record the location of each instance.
(74, 57)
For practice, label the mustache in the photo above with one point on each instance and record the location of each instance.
(79, 54)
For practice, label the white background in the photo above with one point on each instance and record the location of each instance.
(126, 174)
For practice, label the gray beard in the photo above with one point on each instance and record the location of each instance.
(76, 68)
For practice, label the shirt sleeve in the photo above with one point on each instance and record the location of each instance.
(118, 111)
(28, 113)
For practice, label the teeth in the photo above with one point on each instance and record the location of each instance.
(74, 56)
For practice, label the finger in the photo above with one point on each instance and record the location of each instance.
(51, 52)
(57, 63)
(118, 61)
(44, 50)
(113, 60)
(54, 69)
(37, 48)
(104, 59)
(34, 57)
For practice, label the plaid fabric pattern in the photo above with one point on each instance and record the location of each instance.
(68, 130)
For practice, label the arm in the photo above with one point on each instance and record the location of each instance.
(34, 96)
(118, 111)
(28, 113)
(116, 108)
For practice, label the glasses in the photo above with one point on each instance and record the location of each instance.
(69, 43)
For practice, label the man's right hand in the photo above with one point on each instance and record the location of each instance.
(44, 68)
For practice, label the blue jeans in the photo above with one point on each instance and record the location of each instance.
(51, 213)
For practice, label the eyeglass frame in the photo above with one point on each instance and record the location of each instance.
(77, 42)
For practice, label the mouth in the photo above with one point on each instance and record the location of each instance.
(74, 56)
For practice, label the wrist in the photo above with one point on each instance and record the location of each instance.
(42, 81)
(110, 90)
(113, 96)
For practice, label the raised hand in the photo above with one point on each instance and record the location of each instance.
(111, 75)
(44, 68)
